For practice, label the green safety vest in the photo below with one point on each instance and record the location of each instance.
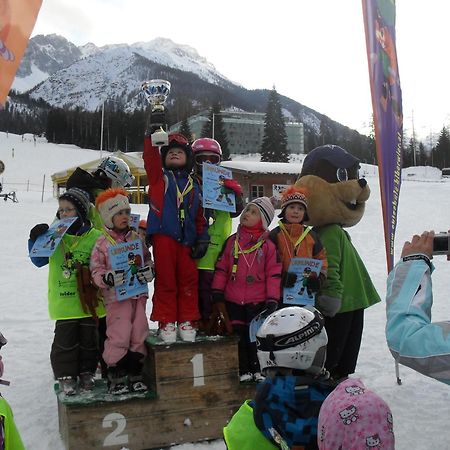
(63, 297)
(13, 441)
(241, 433)
(95, 218)
(218, 233)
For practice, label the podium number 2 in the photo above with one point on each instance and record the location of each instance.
(197, 368)
(114, 438)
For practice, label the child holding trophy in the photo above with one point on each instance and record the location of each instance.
(176, 223)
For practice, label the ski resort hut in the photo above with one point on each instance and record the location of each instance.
(263, 178)
(134, 161)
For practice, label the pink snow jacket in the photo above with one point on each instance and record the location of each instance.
(100, 262)
(258, 275)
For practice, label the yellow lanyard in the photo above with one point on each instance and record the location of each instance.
(180, 195)
(109, 237)
(238, 251)
(299, 240)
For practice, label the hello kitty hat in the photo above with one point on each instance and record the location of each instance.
(353, 417)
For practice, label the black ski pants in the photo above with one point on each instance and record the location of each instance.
(344, 340)
(75, 347)
(240, 318)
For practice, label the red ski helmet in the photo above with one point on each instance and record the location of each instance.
(204, 145)
(206, 150)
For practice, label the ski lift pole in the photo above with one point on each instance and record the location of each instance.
(43, 188)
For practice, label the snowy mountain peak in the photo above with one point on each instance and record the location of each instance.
(46, 55)
(89, 49)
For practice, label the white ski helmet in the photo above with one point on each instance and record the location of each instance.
(293, 337)
(117, 171)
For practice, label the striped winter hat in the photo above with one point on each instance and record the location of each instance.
(266, 209)
(293, 194)
(79, 199)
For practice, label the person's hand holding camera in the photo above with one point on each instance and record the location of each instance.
(422, 244)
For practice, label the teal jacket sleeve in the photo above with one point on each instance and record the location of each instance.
(412, 338)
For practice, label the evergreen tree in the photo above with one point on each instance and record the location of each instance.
(274, 145)
(311, 141)
(207, 126)
(442, 151)
(185, 129)
(408, 154)
(325, 133)
(423, 155)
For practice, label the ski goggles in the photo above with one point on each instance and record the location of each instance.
(210, 158)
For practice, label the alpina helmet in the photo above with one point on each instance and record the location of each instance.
(293, 337)
(117, 171)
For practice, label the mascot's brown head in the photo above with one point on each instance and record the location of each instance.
(336, 193)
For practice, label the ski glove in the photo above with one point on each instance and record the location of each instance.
(145, 275)
(199, 249)
(157, 121)
(313, 284)
(328, 306)
(233, 185)
(271, 305)
(114, 277)
(217, 296)
(289, 279)
(219, 322)
(38, 230)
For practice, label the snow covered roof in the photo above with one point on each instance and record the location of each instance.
(134, 161)
(263, 167)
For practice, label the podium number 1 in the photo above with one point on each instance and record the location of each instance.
(115, 438)
(198, 371)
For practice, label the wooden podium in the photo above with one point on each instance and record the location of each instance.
(194, 390)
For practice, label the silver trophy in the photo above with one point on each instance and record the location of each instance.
(156, 93)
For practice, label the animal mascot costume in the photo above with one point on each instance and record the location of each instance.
(336, 201)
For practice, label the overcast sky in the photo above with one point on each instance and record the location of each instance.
(313, 51)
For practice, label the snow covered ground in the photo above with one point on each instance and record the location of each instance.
(421, 406)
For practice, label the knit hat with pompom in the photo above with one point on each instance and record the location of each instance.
(291, 195)
(110, 202)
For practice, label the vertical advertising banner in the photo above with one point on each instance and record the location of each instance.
(379, 23)
(17, 19)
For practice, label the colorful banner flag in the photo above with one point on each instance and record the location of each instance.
(379, 22)
(17, 19)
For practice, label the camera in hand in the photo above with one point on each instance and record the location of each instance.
(440, 244)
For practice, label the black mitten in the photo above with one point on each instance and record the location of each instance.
(313, 284)
(38, 230)
(156, 122)
(271, 306)
(199, 249)
(289, 279)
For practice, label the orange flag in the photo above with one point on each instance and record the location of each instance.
(17, 19)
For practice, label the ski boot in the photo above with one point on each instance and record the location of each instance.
(87, 381)
(117, 381)
(68, 385)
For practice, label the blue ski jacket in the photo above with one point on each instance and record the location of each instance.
(186, 224)
(412, 338)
